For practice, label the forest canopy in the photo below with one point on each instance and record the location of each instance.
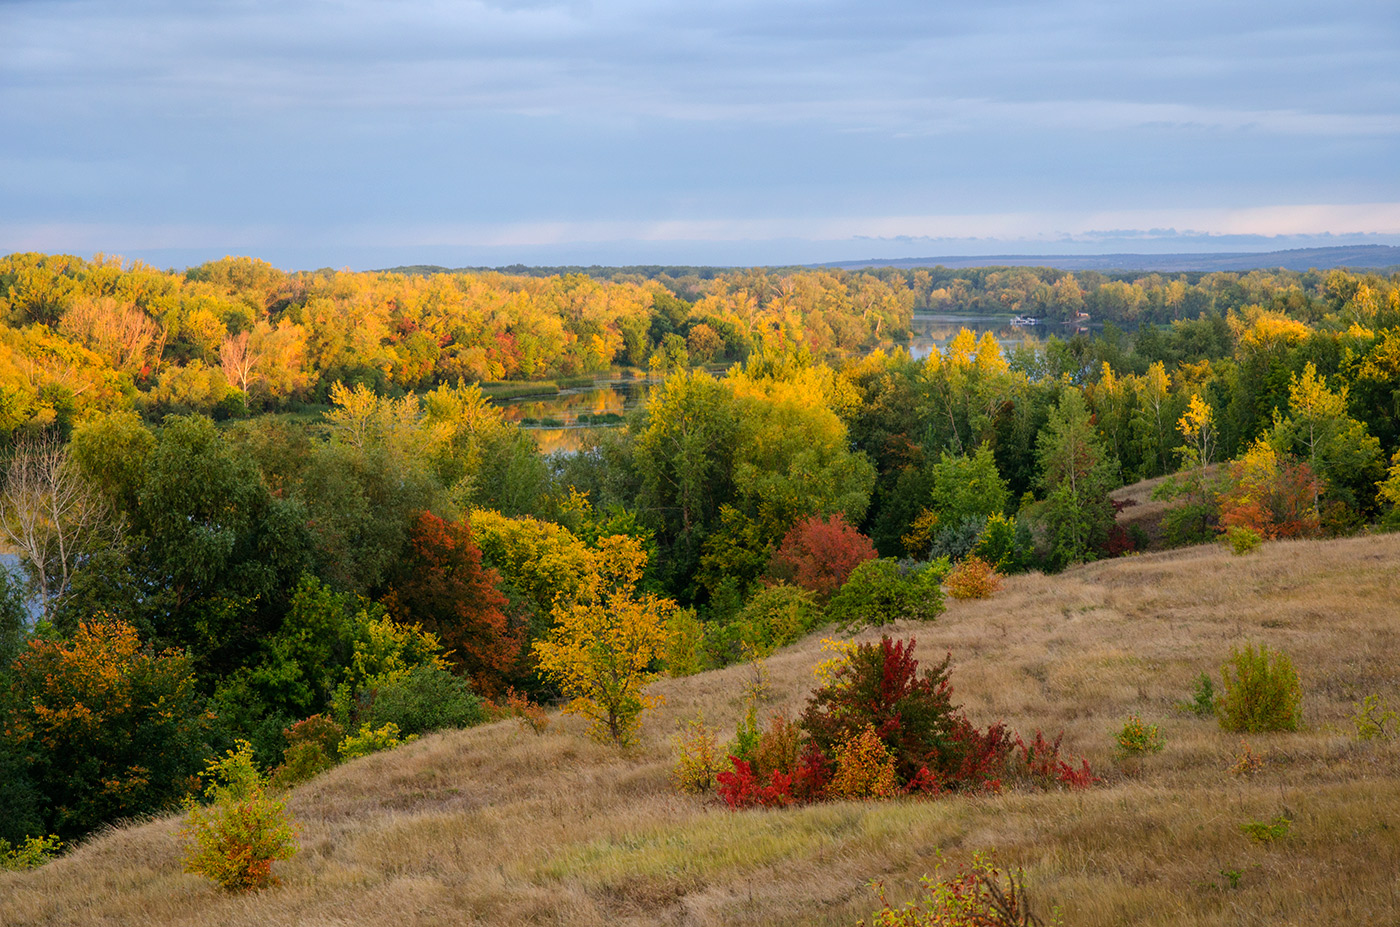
(282, 504)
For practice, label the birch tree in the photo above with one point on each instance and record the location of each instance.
(51, 517)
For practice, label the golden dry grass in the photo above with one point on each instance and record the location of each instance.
(499, 826)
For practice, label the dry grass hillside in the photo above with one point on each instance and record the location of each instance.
(499, 826)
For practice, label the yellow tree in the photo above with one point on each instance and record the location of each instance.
(604, 644)
(1197, 427)
(1337, 447)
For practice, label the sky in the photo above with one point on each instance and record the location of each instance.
(342, 133)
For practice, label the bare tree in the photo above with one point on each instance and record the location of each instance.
(121, 333)
(51, 516)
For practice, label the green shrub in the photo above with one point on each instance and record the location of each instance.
(311, 750)
(235, 840)
(1202, 702)
(1260, 832)
(1006, 544)
(1191, 523)
(369, 740)
(1137, 739)
(31, 853)
(1261, 692)
(1243, 540)
(776, 616)
(427, 698)
(1374, 720)
(883, 591)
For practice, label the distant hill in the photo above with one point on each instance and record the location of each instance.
(1357, 257)
(1360, 257)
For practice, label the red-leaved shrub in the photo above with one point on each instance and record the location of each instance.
(1041, 762)
(743, 788)
(879, 727)
(819, 554)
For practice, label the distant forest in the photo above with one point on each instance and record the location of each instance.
(238, 335)
(249, 504)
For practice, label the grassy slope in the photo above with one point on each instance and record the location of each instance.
(499, 826)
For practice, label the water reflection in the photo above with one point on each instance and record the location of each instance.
(559, 422)
(930, 331)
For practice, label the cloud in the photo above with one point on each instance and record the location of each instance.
(535, 124)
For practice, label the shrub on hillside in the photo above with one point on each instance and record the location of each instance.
(1202, 701)
(238, 836)
(774, 617)
(371, 740)
(864, 768)
(697, 758)
(1373, 719)
(883, 591)
(1041, 763)
(1242, 540)
(31, 853)
(912, 712)
(1134, 741)
(1261, 692)
(975, 897)
(425, 699)
(531, 716)
(876, 727)
(311, 749)
(973, 578)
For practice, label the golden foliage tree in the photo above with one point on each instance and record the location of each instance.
(604, 645)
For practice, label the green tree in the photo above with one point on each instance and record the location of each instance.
(1319, 430)
(965, 487)
(106, 727)
(684, 454)
(217, 552)
(1077, 475)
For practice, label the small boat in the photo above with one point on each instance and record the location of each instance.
(1024, 320)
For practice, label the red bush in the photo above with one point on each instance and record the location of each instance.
(1041, 761)
(881, 726)
(819, 555)
(743, 788)
(442, 586)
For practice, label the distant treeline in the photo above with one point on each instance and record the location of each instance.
(239, 335)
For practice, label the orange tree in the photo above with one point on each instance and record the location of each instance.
(442, 585)
(1271, 494)
(819, 554)
(105, 727)
(604, 645)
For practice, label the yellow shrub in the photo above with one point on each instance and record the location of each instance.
(864, 768)
(973, 578)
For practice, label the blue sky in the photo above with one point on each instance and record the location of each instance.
(367, 134)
